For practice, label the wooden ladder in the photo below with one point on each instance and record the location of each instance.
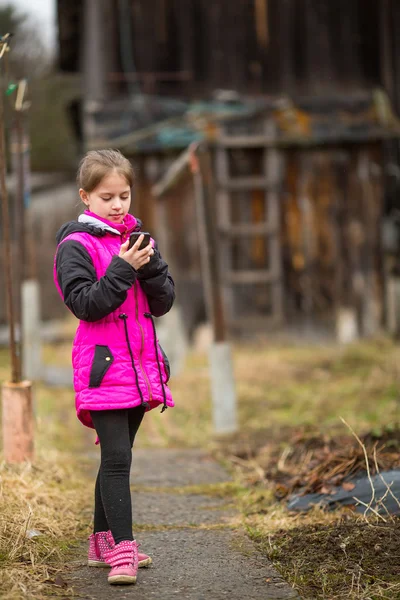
(270, 182)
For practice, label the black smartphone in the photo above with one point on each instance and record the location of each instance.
(134, 237)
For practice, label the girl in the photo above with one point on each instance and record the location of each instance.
(120, 370)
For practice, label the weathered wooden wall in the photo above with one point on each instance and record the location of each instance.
(191, 47)
(331, 235)
(331, 203)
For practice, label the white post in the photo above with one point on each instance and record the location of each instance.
(223, 388)
(31, 334)
(346, 326)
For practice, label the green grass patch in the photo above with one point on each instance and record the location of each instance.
(227, 489)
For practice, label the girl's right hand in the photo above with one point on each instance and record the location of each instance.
(135, 257)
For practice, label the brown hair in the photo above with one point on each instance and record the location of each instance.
(96, 164)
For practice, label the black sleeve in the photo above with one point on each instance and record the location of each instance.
(89, 298)
(157, 284)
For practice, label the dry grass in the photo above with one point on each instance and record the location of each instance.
(282, 390)
(45, 498)
(48, 497)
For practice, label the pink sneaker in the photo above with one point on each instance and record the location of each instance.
(103, 540)
(123, 559)
(97, 545)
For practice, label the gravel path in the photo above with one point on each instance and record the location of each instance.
(198, 551)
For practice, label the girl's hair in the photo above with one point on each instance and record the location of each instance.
(96, 164)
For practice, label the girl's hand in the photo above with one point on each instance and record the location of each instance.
(135, 257)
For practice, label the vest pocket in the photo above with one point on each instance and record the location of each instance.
(102, 361)
(166, 362)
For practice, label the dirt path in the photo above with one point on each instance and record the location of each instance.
(198, 552)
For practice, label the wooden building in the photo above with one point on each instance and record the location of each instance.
(188, 48)
(297, 102)
(299, 206)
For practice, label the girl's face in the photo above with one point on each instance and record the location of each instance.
(111, 199)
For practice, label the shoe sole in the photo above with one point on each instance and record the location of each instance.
(97, 563)
(145, 563)
(121, 580)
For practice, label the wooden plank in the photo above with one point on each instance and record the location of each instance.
(208, 240)
(245, 141)
(245, 183)
(258, 217)
(249, 277)
(224, 220)
(250, 229)
(308, 165)
(130, 139)
(273, 166)
(262, 23)
(254, 323)
(287, 33)
(173, 175)
(371, 224)
(214, 243)
(222, 173)
(387, 48)
(186, 37)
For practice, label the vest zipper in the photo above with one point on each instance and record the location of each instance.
(124, 317)
(142, 343)
(150, 316)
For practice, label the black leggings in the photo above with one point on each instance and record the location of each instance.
(113, 509)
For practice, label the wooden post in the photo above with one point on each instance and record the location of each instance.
(15, 362)
(28, 286)
(346, 321)
(224, 221)
(386, 39)
(221, 366)
(17, 421)
(273, 165)
(95, 62)
(372, 298)
(207, 243)
(19, 210)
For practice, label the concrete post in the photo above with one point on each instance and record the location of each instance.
(31, 331)
(223, 388)
(346, 326)
(17, 421)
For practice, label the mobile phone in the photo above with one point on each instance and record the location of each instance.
(134, 237)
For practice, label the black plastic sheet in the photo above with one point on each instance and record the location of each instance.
(384, 501)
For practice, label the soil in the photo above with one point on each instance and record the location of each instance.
(349, 557)
(313, 463)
